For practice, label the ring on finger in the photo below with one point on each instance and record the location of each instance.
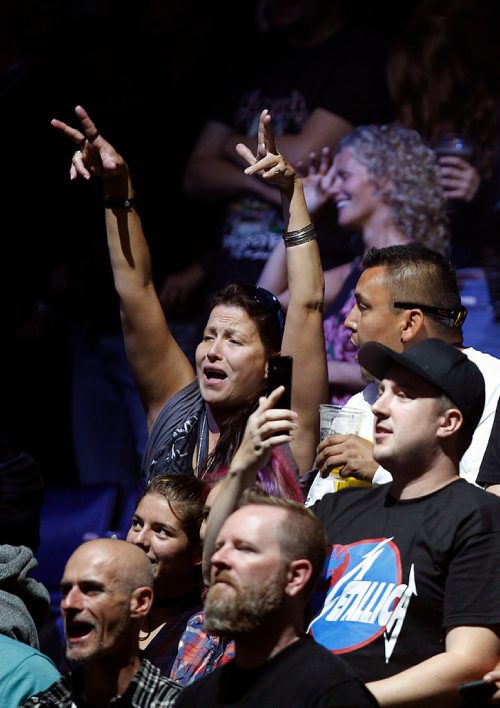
(88, 139)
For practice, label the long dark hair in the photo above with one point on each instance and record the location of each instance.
(265, 310)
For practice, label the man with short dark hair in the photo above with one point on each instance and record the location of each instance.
(405, 294)
(268, 556)
(412, 579)
(107, 590)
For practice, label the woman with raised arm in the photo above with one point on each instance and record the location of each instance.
(196, 419)
(385, 184)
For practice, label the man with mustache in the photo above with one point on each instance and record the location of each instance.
(107, 590)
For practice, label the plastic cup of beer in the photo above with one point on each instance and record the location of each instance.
(343, 420)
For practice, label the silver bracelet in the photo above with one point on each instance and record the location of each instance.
(295, 238)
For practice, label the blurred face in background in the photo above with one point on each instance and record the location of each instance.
(357, 199)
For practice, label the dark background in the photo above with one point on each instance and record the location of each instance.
(142, 70)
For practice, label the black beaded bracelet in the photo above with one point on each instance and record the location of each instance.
(111, 203)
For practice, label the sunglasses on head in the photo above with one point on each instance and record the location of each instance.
(268, 301)
(454, 317)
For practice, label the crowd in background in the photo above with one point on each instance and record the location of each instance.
(97, 389)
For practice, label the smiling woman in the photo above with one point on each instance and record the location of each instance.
(385, 184)
(197, 420)
(166, 525)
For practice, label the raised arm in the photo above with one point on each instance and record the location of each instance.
(317, 177)
(303, 336)
(159, 366)
(214, 171)
(315, 172)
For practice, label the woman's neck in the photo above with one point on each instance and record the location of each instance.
(161, 612)
(381, 232)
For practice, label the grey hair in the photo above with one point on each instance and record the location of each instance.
(406, 173)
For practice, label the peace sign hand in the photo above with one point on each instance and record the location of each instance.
(94, 156)
(267, 163)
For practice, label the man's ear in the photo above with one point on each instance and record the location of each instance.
(298, 574)
(141, 602)
(451, 421)
(412, 325)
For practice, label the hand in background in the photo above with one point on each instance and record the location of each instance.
(178, 287)
(459, 179)
(316, 174)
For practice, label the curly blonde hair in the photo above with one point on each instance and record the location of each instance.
(406, 173)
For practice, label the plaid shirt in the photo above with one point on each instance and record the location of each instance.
(199, 652)
(162, 649)
(148, 689)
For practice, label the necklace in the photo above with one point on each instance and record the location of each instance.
(201, 434)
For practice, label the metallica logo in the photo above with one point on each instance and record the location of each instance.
(366, 597)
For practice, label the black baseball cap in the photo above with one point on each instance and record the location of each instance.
(439, 363)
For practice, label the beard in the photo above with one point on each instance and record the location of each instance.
(242, 610)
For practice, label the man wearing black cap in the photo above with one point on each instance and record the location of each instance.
(407, 294)
(410, 595)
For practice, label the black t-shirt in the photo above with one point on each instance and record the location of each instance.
(303, 674)
(344, 75)
(399, 572)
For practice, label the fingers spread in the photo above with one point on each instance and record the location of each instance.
(75, 135)
(245, 153)
(268, 132)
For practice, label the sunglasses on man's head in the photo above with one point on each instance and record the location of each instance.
(454, 317)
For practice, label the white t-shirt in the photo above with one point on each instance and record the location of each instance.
(472, 458)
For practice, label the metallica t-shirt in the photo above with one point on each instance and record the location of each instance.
(399, 572)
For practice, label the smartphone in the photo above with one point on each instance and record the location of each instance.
(279, 373)
(477, 693)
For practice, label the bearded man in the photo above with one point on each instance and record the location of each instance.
(269, 554)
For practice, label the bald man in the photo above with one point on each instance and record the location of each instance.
(106, 591)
